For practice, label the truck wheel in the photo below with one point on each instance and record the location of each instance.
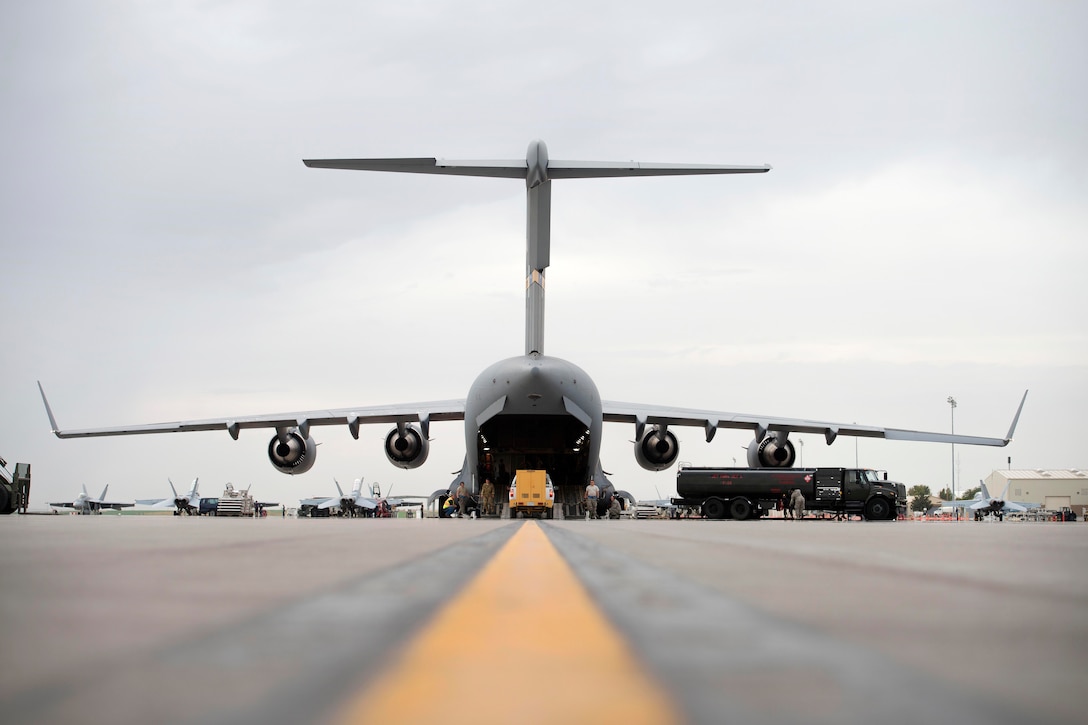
(877, 509)
(714, 508)
(740, 508)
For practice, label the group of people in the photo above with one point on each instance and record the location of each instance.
(592, 499)
(460, 501)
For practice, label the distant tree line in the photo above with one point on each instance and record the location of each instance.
(921, 495)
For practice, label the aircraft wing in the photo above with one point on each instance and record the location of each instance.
(114, 506)
(984, 504)
(971, 503)
(314, 501)
(423, 413)
(64, 505)
(761, 425)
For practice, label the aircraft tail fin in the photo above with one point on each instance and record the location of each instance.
(1005, 493)
(537, 170)
(985, 491)
(172, 488)
(103, 496)
(338, 489)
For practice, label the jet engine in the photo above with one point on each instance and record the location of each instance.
(406, 447)
(771, 453)
(656, 449)
(294, 455)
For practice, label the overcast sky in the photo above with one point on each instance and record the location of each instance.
(167, 256)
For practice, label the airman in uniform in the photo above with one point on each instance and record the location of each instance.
(797, 503)
(592, 494)
(487, 493)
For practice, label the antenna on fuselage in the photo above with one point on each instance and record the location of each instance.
(537, 171)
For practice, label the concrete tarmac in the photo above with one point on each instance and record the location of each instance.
(160, 619)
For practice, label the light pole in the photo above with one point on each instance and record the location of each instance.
(952, 404)
(802, 444)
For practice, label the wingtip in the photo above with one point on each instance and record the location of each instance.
(1016, 418)
(54, 428)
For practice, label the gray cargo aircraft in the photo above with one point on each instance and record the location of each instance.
(531, 410)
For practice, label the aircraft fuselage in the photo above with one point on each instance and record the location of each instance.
(534, 411)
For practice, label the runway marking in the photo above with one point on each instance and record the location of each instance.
(546, 655)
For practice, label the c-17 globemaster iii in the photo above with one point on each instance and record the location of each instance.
(533, 410)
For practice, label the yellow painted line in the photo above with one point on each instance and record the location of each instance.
(523, 642)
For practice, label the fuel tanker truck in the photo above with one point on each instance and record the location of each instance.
(749, 493)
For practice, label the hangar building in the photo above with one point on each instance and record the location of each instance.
(1054, 490)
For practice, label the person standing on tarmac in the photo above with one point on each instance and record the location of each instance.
(592, 493)
(461, 497)
(797, 503)
(487, 493)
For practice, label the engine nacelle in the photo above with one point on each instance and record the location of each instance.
(656, 450)
(295, 456)
(407, 450)
(769, 453)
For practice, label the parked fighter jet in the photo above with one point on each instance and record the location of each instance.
(352, 504)
(356, 504)
(532, 402)
(188, 503)
(85, 504)
(983, 504)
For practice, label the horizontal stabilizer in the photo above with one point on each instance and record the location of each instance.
(605, 169)
(519, 168)
(502, 169)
